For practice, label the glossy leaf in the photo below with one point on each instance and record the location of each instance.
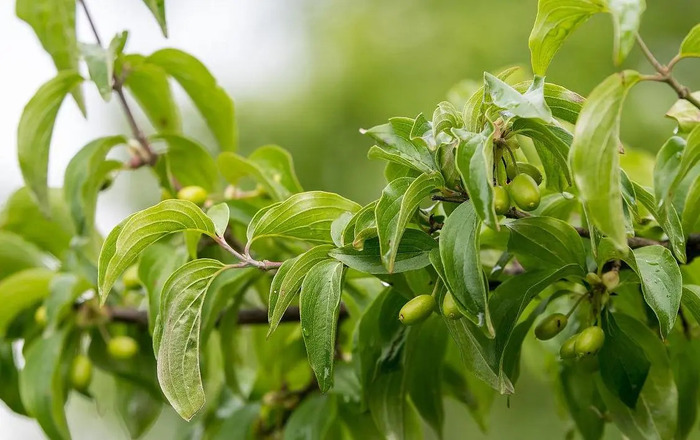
(474, 162)
(100, 63)
(288, 281)
(394, 144)
(668, 161)
(543, 242)
(148, 83)
(53, 22)
(563, 103)
(459, 252)
(686, 115)
(661, 284)
(582, 400)
(530, 104)
(413, 253)
(20, 291)
(189, 162)
(626, 16)
(691, 210)
(42, 386)
(306, 216)
(84, 177)
(36, 128)
(473, 113)
(319, 306)
(556, 20)
(313, 419)
(270, 165)
(9, 387)
(690, 47)
(219, 215)
(64, 290)
(139, 409)
(594, 155)
(667, 217)
(157, 8)
(556, 141)
(691, 300)
(394, 210)
(212, 101)
(126, 241)
(623, 364)
(17, 254)
(176, 335)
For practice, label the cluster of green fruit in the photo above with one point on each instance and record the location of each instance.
(522, 190)
(420, 307)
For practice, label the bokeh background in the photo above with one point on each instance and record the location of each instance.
(308, 75)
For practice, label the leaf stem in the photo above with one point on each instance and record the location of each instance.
(245, 259)
(665, 74)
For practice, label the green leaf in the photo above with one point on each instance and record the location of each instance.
(685, 362)
(157, 8)
(473, 113)
(394, 144)
(219, 215)
(394, 210)
(17, 254)
(148, 83)
(126, 241)
(691, 300)
(53, 22)
(668, 162)
(139, 409)
(623, 364)
(270, 165)
(661, 284)
(42, 386)
(687, 116)
(53, 235)
(413, 253)
(9, 387)
(176, 335)
(690, 47)
(544, 242)
(691, 210)
(656, 412)
(583, 400)
(65, 288)
(667, 217)
(189, 161)
(555, 140)
(212, 101)
(306, 216)
(36, 128)
(530, 104)
(362, 226)
(319, 306)
(474, 162)
(459, 252)
(594, 155)
(84, 176)
(157, 263)
(445, 117)
(312, 419)
(288, 280)
(426, 346)
(690, 156)
(556, 20)
(563, 103)
(100, 63)
(20, 291)
(626, 16)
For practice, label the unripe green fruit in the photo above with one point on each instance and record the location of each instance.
(165, 194)
(40, 316)
(131, 278)
(524, 192)
(122, 347)
(592, 278)
(449, 307)
(501, 200)
(194, 194)
(81, 373)
(611, 280)
(523, 167)
(589, 341)
(551, 326)
(417, 309)
(568, 348)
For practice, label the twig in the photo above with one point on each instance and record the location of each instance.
(149, 156)
(665, 74)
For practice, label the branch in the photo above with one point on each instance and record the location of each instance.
(664, 74)
(245, 316)
(149, 157)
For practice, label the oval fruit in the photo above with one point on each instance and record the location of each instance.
(589, 341)
(449, 307)
(131, 278)
(568, 348)
(524, 192)
(122, 347)
(551, 326)
(81, 372)
(501, 200)
(611, 280)
(40, 316)
(417, 309)
(531, 171)
(194, 194)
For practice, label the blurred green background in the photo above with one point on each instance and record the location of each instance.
(365, 61)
